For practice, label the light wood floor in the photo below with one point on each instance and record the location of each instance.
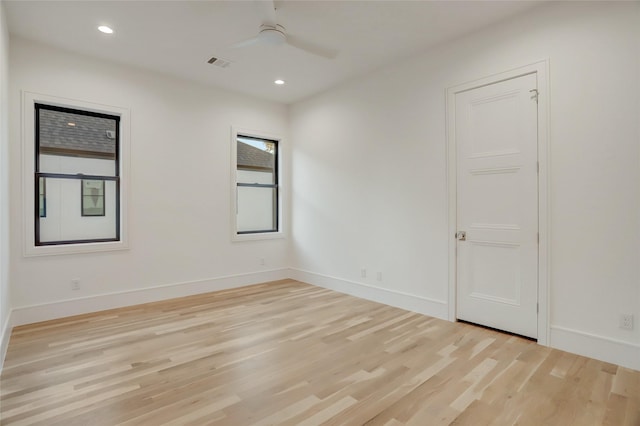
(292, 354)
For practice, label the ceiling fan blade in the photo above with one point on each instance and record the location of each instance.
(311, 48)
(249, 42)
(268, 12)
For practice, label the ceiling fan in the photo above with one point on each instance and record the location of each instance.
(272, 34)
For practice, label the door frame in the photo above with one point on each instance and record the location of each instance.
(541, 69)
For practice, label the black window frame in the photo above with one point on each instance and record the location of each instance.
(78, 176)
(275, 185)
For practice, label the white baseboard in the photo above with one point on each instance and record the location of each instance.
(84, 305)
(5, 335)
(618, 352)
(409, 302)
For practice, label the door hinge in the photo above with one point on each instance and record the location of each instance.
(538, 167)
(537, 308)
(534, 96)
(538, 235)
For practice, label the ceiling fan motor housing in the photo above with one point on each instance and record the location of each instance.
(272, 35)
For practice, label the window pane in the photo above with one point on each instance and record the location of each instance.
(93, 198)
(256, 209)
(75, 165)
(256, 160)
(64, 220)
(42, 197)
(75, 143)
(254, 176)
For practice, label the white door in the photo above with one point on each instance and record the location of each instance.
(497, 205)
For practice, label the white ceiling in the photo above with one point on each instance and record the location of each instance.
(178, 37)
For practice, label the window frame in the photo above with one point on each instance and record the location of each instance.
(81, 177)
(259, 234)
(30, 175)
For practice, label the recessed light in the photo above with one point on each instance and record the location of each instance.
(105, 29)
(279, 82)
(71, 124)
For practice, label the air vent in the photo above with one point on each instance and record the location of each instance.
(219, 62)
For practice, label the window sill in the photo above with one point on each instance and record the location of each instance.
(258, 236)
(31, 251)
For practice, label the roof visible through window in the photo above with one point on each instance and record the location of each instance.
(255, 154)
(79, 135)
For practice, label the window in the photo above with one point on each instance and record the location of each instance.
(77, 161)
(66, 142)
(257, 186)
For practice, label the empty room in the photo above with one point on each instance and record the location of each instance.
(319, 213)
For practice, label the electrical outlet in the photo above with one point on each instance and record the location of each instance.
(75, 284)
(379, 276)
(626, 321)
(363, 273)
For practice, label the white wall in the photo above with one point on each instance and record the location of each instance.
(179, 214)
(5, 305)
(369, 172)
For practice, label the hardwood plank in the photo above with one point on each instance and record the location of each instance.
(288, 353)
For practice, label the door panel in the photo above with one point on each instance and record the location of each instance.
(492, 269)
(497, 263)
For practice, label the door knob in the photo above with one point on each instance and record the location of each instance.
(461, 236)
